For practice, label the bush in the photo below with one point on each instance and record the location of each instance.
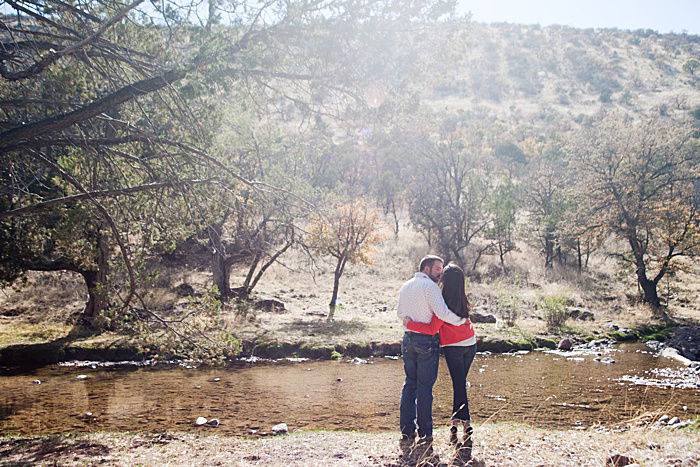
(509, 308)
(196, 331)
(555, 312)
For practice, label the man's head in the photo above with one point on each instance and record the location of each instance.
(432, 266)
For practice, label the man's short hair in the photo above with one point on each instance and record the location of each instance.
(429, 261)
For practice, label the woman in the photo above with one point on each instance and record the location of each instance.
(458, 344)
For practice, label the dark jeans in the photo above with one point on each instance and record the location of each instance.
(459, 359)
(421, 354)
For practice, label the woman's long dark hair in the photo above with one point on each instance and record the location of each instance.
(453, 290)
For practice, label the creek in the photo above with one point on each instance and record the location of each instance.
(606, 386)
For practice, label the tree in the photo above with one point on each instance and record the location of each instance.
(347, 233)
(691, 65)
(450, 190)
(636, 180)
(545, 193)
(120, 102)
(503, 208)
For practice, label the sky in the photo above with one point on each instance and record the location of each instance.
(660, 15)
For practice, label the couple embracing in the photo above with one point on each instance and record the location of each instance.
(435, 319)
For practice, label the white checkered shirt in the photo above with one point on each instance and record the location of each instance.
(420, 298)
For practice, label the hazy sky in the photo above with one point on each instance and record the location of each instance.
(659, 15)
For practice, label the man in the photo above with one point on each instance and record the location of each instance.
(419, 299)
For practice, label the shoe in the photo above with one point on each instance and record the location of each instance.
(468, 432)
(423, 453)
(464, 449)
(406, 445)
(453, 435)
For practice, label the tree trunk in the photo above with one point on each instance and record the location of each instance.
(548, 250)
(220, 268)
(96, 283)
(648, 286)
(396, 218)
(579, 256)
(336, 285)
(501, 255)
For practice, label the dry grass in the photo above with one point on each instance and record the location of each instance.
(42, 308)
(494, 444)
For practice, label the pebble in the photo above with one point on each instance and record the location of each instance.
(81, 377)
(663, 419)
(358, 361)
(216, 380)
(674, 420)
(280, 429)
(213, 422)
(37, 381)
(200, 421)
(340, 380)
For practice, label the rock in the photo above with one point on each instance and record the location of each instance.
(358, 361)
(565, 344)
(671, 352)
(618, 460)
(674, 421)
(686, 340)
(213, 422)
(663, 419)
(216, 380)
(200, 421)
(184, 290)
(580, 314)
(37, 381)
(340, 380)
(482, 318)
(81, 377)
(280, 429)
(607, 360)
(270, 305)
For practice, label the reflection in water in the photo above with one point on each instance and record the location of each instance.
(536, 388)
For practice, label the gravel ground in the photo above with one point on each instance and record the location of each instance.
(494, 444)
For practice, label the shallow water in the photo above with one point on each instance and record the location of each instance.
(543, 389)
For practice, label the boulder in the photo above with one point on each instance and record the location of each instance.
(482, 318)
(270, 305)
(280, 429)
(686, 340)
(565, 344)
(580, 314)
(184, 290)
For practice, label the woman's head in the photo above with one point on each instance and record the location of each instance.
(453, 290)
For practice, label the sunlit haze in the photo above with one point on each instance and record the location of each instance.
(668, 16)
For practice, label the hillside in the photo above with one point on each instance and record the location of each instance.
(531, 75)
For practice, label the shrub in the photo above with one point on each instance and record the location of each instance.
(555, 312)
(509, 308)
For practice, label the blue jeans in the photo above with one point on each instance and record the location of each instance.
(459, 359)
(421, 354)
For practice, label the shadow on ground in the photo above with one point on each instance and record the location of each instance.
(29, 451)
(325, 328)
